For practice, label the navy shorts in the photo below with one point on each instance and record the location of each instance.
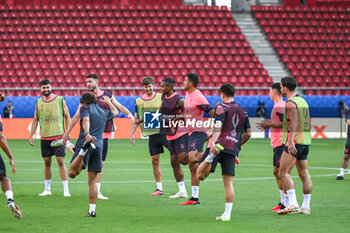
(277, 153)
(347, 146)
(2, 166)
(303, 151)
(92, 158)
(156, 143)
(48, 151)
(196, 141)
(178, 145)
(226, 160)
(105, 149)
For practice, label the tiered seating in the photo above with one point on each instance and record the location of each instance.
(122, 44)
(314, 43)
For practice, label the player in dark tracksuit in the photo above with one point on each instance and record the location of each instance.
(231, 131)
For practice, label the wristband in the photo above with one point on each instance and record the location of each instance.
(86, 133)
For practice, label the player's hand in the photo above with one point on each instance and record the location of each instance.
(106, 100)
(139, 121)
(213, 149)
(12, 163)
(132, 140)
(89, 138)
(31, 141)
(65, 138)
(131, 117)
(263, 125)
(291, 148)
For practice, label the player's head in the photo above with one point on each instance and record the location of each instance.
(88, 98)
(167, 86)
(275, 91)
(45, 87)
(227, 92)
(148, 85)
(92, 82)
(191, 81)
(9, 103)
(288, 84)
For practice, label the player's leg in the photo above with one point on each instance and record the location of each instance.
(204, 168)
(99, 175)
(76, 165)
(286, 166)
(277, 153)
(92, 193)
(181, 145)
(47, 176)
(344, 165)
(7, 188)
(155, 145)
(60, 154)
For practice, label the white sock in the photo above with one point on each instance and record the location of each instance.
(306, 202)
(292, 198)
(286, 202)
(82, 152)
(342, 170)
(68, 144)
(182, 187)
(228, 209)
(160, 186)
(65, 186)
(92, 208)
(282, 197)
(98, 185)
(209, 158)
(9, 194)
(48, 185)
(195, 191)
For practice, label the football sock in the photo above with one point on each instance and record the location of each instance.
(342, 170)
(306, 202)
(160, 186)
(209, 158)
(228, 209)
(282, 197)
(69, 144)
(292, 198)
(9, 194)
(195, 191)
(65, 186)
(48, 185)
(92, 208)
(98, 185)
(285, 203)
(182, 187)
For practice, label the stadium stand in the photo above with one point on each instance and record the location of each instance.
(312, 41)
(123, 43)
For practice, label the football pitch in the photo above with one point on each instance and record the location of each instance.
(128, 181)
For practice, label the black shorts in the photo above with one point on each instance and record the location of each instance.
(196, 141)
(156, 143)
(2, 166)
(227, 162)
(347, 146)
(303, 151)
(92, 158)
(277, 153)
(105, 149)
(178, 145)
(48, 151)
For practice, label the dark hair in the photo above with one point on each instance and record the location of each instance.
(147, 81)
(45, 82)
(169, 82)
(94, 76)
(193, 77)
(228, 90)
(289, 82)
(88, 98)
(277, 87)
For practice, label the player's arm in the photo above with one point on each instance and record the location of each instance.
(86, 127)
(207, 108)
(66, 114)
(6, 111)
(111, 106)
(133, 129)
(71, 125)
(33, 127)
(246, 136)
(265, 124)
(215, 136)
(4, 145)
(123, 109)
(293, 116)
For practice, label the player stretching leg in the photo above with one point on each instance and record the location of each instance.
(173, 105)
(92, 122)
(276, 137)
(195, 105)
(231, 131)
(345, 162)
(297, 139)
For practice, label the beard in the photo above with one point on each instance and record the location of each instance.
(46, 93)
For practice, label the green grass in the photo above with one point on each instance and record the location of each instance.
(128, 181)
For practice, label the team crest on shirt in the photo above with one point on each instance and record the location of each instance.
(151, 120)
